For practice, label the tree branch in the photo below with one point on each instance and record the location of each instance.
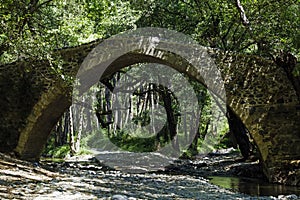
(44, 3)
(243, 16)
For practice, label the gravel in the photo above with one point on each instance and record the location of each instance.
(91, 180)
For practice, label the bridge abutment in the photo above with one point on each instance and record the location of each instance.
(276, 132)
(45, 114)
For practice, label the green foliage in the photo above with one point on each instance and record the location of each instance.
(111, 17)
(297, 70)
(36, 28)
(225, 143)
(143, 119)
(135, 144)
(84, 151)
(23, 30)
(94, 140)
(58, 152)
(54, 151)
(49, 146)
(273, 25)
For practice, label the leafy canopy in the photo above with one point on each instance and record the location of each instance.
(33, 28)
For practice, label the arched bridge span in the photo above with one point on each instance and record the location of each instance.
(257, 90)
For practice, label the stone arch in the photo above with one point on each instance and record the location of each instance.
(53, 102)
(257, 91)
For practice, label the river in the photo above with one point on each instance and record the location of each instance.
(78, 178)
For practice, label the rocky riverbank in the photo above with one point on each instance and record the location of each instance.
(89, 179)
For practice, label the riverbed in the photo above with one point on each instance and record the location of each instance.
(88, 178)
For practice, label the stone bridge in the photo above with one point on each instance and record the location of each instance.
(33, 98)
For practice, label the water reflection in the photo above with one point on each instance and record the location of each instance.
(253, 187)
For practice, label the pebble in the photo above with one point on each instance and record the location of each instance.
(119, 197)
(288, 197)
(77, 181)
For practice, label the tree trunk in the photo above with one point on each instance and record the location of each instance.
(78, 136)
(240, 133)
(171, 119)
(71, 133)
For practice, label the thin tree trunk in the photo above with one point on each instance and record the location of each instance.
(71, 133)
(152, 103)
(240, 132)
(79, 131)
(59, 133)
(66, 127)
(172, 122)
